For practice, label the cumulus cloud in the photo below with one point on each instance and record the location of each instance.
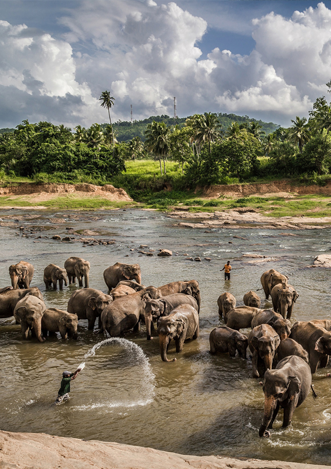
(146, 53)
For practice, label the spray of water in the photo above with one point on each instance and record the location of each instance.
(141, 360)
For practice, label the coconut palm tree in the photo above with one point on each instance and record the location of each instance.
(206, 128)
(107, 101)
(299, 132)
(157, 141)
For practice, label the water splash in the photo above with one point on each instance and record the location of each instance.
(148, 386)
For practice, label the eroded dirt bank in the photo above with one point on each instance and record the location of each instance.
(276, 187)
(41, 451)
(47, 191)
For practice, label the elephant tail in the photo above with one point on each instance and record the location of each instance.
(313, 391)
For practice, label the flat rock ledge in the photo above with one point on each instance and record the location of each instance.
(323, 260)
(40, 451)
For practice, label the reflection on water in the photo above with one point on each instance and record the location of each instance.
(201, 404)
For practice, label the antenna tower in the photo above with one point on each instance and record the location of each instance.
(175, 110)
(131, 115)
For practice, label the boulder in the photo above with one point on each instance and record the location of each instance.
(165, 253)
(323, 260)
(57, 237)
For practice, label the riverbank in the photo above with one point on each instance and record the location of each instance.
(41, 451)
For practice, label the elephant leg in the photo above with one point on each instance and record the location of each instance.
(91, 324)
(137, 327)
(152, 326)
(60, 284)
(314, 358)
(180, 343)
(212, 348)
(288, 412)
(274, 415)
(220, 312)
(168, 345)
(73, 279)
(255, 360)
(54, 286)
(80, 281)
(324, 361)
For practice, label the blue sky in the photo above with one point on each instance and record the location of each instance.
(267, 59)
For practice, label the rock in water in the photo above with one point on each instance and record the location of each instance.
(323, 260)
(165, 253)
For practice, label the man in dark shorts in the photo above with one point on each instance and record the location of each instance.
(227, 269)
(63, 394)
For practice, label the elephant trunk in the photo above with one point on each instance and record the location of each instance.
(14, 282)
(164, 340)
(87, 283)
(198, 298)
(138, 278)
(148, 322)
(283, 309)
(268, 359)
(72, 333)
(269, 406)
(37, 329)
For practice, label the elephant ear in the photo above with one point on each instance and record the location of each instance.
(295, 296)
(12, 269)
(91, 303)
(188, 291)
(180, 326)
(255, 342)
(63, 320)
(19, 312)
(294, 386)
(163, 305)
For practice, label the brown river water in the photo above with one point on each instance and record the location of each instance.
(201, 404)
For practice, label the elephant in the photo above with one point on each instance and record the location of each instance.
(163, 307)
(9, 298)
(29, 312)
(263, 342)
(223, 340)
(289, 347)
(89, 303)
(189, 287)
(269, 279)
(181, 324)
(241, 317)
(21, 274)
(252, 299)
(226, 301)
(78, 267)
(121, 290)
(267, 316)
(283, 298)
(53, 274)
(56, 320)
(123, 314)
(132, 284)
(315, 340)
(287, 386)
(326, 323)
(117, 272)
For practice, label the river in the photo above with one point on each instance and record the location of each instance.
(201, 404)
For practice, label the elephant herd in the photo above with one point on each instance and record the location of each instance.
(175, 306)
(286, 354)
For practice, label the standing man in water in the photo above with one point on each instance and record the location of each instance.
(227, 269)
(63, 394)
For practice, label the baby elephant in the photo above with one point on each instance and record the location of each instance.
(283, 298)
(53, 274)
(287, 386)
(56, 320)
(223, 340)
(241, 317)
(226, 302)
(263, 342)
(282, 326)
(252, 299)
(181, 324)
(289, 347)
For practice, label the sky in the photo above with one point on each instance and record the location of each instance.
(266, 59)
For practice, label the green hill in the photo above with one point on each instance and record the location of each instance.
(125, 131)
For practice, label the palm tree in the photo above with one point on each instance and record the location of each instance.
(235, 132)
(157, 141)
(206, 128)
(80, 133)
(107, 101)
(269, 142)
(299, 132)
(256, 130)
(94, 136)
